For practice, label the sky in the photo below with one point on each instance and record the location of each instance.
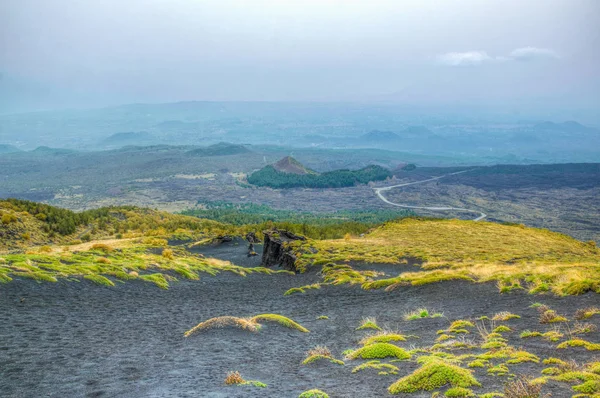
(80, 53)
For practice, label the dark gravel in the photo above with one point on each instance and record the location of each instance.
(79, 339)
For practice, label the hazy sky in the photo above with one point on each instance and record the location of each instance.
(56, 53)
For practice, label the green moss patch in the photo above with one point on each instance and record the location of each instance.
(435, 373)
(378, 351)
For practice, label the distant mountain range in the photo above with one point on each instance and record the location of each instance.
(5, 148)
(220, 149)
(137, 138)
(565, 127)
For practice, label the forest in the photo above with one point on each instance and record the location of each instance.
(268, 176)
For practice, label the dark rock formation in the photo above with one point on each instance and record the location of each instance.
(251, 238)
(275, 250)
(222, 239)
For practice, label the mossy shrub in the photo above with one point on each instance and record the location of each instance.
(314, 393)
(456, 392)
(433, 374)
(282, 320)
(379, 350)
(368, 323)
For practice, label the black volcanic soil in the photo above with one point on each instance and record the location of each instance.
(79, 339)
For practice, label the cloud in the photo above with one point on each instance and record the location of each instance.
(474, 58)
(464, 58)
(528, 53)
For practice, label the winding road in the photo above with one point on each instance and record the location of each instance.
(379, 191)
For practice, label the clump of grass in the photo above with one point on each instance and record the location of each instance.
(478, 363)
(528, 333)
(235, 378)
(505, 316)
(493, 394)
(459, 326)
(585, 313)
(225, 321)
(521, 356)
(322, 317)
(579, 343)
(434, 373)
(583, 328)
(368, 323)
(102, 247)
(550, 316)
(157, 278)
(421, 313)
(318, 353)
(456, 392)
(302, 289)
(168, 254)
(382, 337)
(45, 249)
(589, 387)
(251, 324)
(553, 335)
(99, 279)
(314, 393)
(498, 370)
(382, 368)
(502, 329)
(103, 260)
(378, 351)
(523, 387)
(280, 319)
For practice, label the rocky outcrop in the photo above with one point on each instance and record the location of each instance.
(222, 239)
(276, 250)
(252, 238)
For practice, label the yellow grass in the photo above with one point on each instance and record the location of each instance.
(251, 324)
(515, 256)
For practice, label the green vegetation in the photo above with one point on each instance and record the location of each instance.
(280, 319)
(455, 392)
(319, 353)
(36, 223)
(458, 326)
(421, 313)
(235, 378)
(268, 176)
(378, 351)
(251, 324)
(585, 313)
(99, 263)
(505, 316)
(250, 216)
(383, 369)
(433, 374)
(314, 393)
(579, 343)
(302, 289)
(550, 316)
(368, 323)
(382, 337)
(481, 252)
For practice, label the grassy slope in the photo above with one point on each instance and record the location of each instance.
(513, 255)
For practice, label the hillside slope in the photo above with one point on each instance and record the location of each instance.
(515, 256)
(24, 224)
